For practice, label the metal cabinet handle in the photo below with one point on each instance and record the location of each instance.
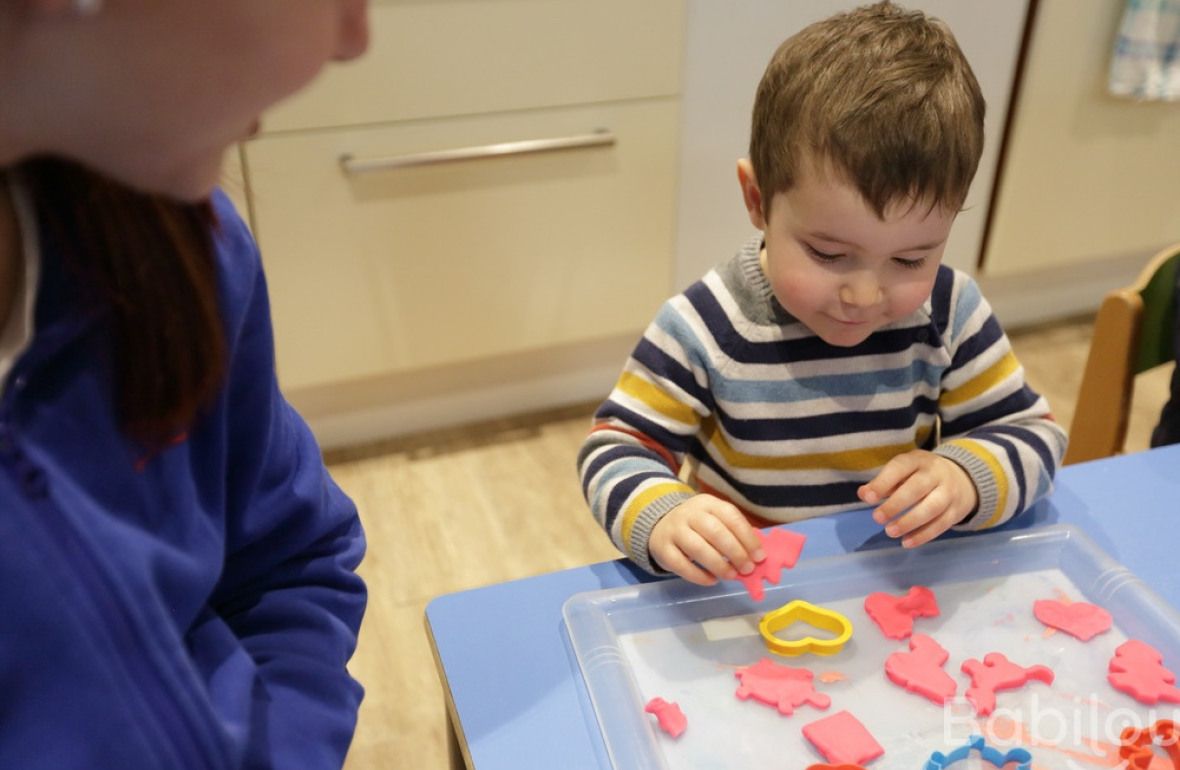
(354, 165)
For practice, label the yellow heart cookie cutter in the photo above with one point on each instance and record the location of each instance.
(806, 612)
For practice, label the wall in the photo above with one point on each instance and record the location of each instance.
(1091, 186)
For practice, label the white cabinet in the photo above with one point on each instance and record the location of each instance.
(395, 284)
(1088, 190)
(462, 57)
(382, 271)
(1090, 178)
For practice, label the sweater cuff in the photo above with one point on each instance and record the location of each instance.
(637, 546)
(983, 479)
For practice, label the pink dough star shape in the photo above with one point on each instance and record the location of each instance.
(996, 672)
(783, 687)
(782, 548)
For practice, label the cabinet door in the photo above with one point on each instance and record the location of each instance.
(415, 267)
(466, 57)
(1088, 178)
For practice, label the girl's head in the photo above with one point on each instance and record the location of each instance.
(116, 115)
(152, 92)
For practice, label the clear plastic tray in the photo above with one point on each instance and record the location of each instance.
(684, 643)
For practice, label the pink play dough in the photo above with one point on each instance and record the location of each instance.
(894, 615)
(842, 739)
(996, 672)
(1085, 621)
(669, 716)
(782, 548)
(1137, 669)
(780, 686)
(920, 671)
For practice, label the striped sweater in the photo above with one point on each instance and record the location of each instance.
(787, 427)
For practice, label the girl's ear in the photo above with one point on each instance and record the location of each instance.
(751, 194)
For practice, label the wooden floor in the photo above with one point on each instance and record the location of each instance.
(499, 501)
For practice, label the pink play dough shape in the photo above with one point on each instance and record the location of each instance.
(842, 739)
(1137, 669)
(996, 672)
(1085, 621)
(894, 615)
(920, 671)
(669, 716)
(783, 687)
(782, 548)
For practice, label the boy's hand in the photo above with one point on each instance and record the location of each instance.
(705, 539)
(925, 495)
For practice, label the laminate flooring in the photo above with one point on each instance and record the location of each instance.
(500, 500)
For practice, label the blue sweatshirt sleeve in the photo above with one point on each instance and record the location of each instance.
(289, 591)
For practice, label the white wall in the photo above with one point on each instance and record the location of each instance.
(1090, 177)
(728, 44)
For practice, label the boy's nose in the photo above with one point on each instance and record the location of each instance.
(860, 291)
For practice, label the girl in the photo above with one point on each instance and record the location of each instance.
(177, 570)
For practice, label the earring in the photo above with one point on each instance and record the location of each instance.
(86, 7)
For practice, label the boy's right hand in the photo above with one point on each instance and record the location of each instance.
(705, 539)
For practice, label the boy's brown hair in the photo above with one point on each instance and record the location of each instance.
(882, 94)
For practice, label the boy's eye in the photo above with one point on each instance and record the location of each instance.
(822, 256)
(910, 264)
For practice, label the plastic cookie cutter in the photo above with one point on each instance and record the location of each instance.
(939, 761)
(806, 612)
(1138, 744)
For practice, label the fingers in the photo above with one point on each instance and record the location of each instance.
(705, 553)
(704, 539)
(898, 486)
(748, 537)
(728, 531)
(932, 516)
(884, 483)
(926, 495)
(675, 561)
(926, 532)
(915, 490)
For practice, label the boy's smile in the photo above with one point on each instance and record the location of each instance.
(836, 266)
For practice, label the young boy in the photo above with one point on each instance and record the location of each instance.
(834, 362)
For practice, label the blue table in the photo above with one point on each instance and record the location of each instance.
(515, 696)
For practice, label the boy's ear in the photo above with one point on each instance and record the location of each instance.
(751, 194)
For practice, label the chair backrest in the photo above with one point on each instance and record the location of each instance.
(1133, 332)
(1157, 326)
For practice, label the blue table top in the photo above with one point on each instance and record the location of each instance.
(514, 682)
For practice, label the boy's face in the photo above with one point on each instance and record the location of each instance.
(834, 265)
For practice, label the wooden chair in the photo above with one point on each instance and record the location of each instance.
(1133, 333)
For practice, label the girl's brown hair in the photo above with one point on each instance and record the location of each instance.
(150, 261)
(883, 95)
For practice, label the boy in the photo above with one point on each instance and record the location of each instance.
(833, 362)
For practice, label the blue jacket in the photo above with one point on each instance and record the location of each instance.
(196, 611)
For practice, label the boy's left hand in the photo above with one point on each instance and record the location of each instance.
(924, 495)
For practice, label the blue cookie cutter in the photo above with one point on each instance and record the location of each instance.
(939, 761)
